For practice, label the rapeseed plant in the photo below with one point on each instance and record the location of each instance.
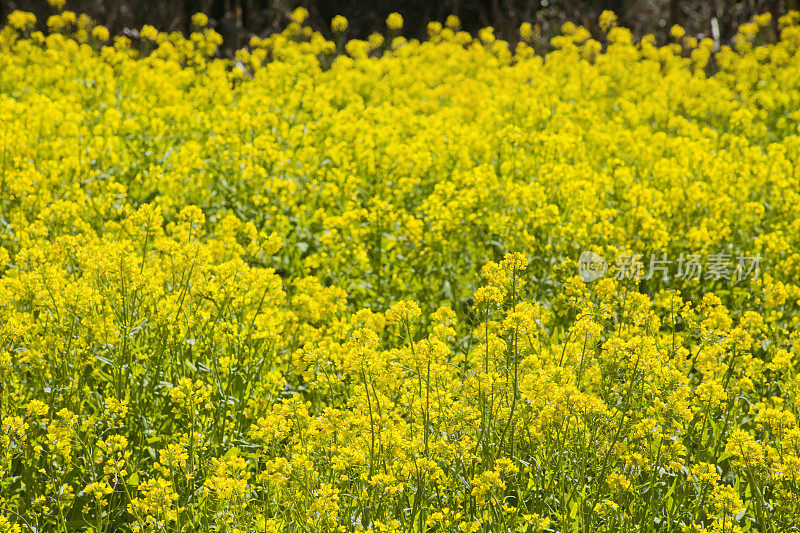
(332, 286)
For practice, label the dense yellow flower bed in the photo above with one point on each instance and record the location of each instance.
(333, 285)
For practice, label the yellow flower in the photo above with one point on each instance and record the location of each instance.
(338, 24)
(618, 482)
(7, 526)
(37, 408)
(526, 31)
(394, 21)
(743, 446)
(21, 20)
(149, 32)
(677, 31)
(98, 490)
(299, 15)
(726, 500)
(763, 20)
(404, 312)
(156, 503)
(486, 35)
(607, 20)
(199, 20)
(100, 33)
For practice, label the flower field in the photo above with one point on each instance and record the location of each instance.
(333, 285)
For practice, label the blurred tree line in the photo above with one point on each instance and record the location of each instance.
(238, 20)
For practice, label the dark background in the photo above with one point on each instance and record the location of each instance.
(238, 20)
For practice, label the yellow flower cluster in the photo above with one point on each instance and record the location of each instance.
(332, 286)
